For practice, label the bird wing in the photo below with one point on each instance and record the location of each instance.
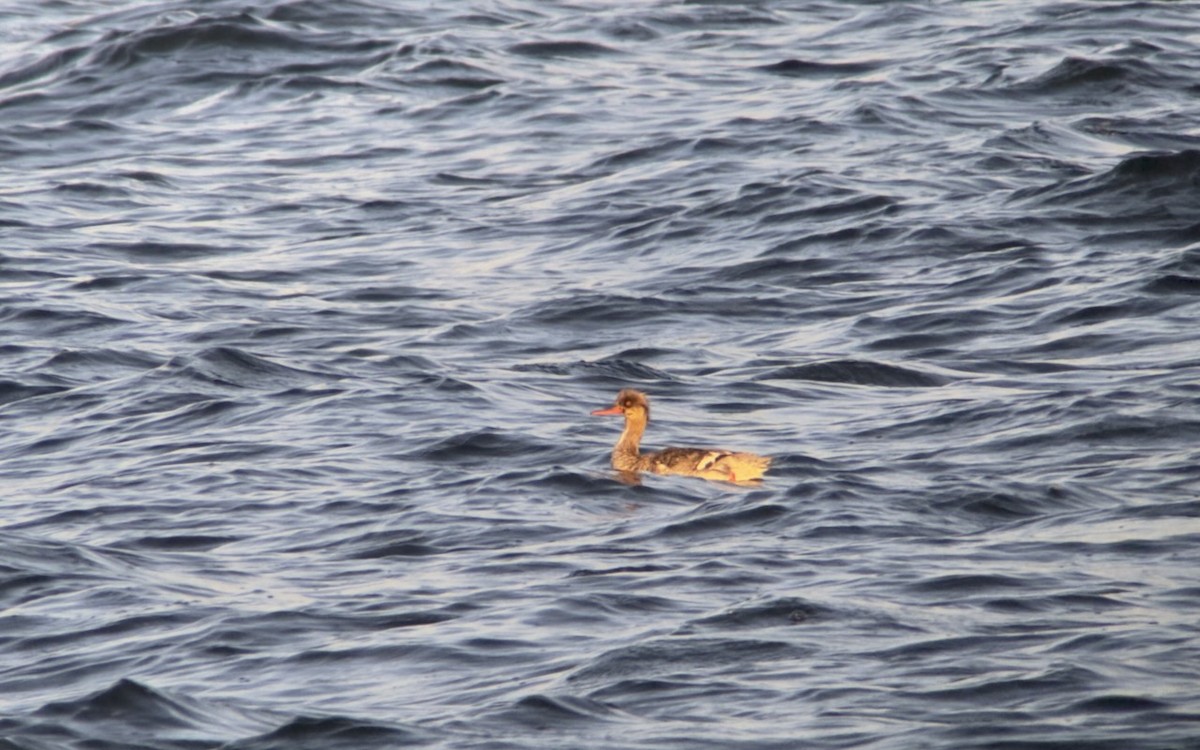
(688, 459)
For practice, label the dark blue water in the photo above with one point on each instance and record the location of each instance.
(303, 307)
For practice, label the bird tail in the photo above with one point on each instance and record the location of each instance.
(746, 466)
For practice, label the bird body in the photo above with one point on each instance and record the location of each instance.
(718, 465)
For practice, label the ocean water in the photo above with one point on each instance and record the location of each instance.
(304, 307)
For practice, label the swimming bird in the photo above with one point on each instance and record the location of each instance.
(720, 465)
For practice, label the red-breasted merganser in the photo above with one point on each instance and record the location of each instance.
(695, 462)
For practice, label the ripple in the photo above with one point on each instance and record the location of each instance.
(304, 310)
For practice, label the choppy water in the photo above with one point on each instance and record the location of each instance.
(304, 306)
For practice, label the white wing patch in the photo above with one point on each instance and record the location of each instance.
(709, 459)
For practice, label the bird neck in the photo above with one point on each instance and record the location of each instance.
(626, 449)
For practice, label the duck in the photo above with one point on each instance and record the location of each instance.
(718, 465)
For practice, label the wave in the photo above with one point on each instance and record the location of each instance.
(1143, 193)
(857, 372)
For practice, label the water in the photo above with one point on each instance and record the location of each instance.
(304, 307)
